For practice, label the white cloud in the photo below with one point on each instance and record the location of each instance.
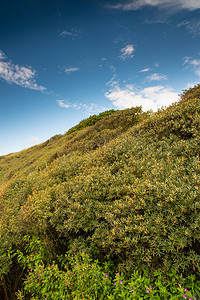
(184, 23)
(71, 70)
(90, 108)
(192, 26)
(190, 85)
(112, 68)
(156, 77)
(144, 70)
(72, 33)
(2, 55)
(68, 104)
(175, 4)
(23, 76)
(150, 98)
(62, 104)
(186, 60)
(127, 52)
(113, 81)
(194, 63)
(93, 108)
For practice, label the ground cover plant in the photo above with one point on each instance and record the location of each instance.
(121, 196)
(79, 277)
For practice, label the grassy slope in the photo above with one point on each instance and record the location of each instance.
(81, 138)
(134, 201)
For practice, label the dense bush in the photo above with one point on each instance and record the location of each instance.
(91, 121)
(124, 190)
(191, 93)
(79, 277)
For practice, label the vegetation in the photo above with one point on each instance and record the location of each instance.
(81, 141)
(110, 210)
(91, 121)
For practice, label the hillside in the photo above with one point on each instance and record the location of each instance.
(88, 135)
(122, 187)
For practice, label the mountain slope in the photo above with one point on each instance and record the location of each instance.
(88, 135)
(125, 189)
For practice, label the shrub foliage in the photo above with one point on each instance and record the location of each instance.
(122, 187)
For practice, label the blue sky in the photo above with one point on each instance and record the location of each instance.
(62, 61)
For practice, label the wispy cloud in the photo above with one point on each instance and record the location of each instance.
(66, 104)
(152, 97)
(156, 77)
(20, 75)
(186, 60)
(195, 62)
(127, 52)
(2, 55)
(62, 104)
(71, 70)
(90, 108)
(72, 33)
(113, 81)
(145, 70)
(161, 20)
(192, 63)
(174, 4)
(190, 85)
(192, 26)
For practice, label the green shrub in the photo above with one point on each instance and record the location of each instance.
(78, 277)
(190, 93)
(124, 190)
(91, 121)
